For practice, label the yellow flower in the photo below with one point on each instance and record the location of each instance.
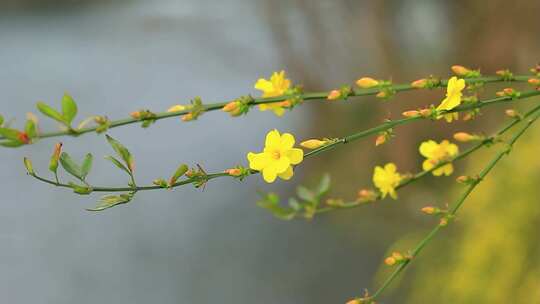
(453, 97)
(436, 153)
(276, 86)
(277, 157)
(387, 179)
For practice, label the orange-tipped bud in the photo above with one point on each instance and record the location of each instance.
(411, 113)
(334, 95)
(390, 261)
(231, 106)
(187, 117)
(429, 210)
(465, 137)
(135, 115)
(354, 301)
(426, 112)
(285, 104)
(365, 196)
(313, 143)
(443, 222)
(511, 113)
(463, 179)
(534, 81)
(176, 108)
(367, 82)
(397, 256)
(233, 171)
(23, 137)
(460, 70)
(419, 84)
(381, 139)
(509, 91)
(382, 94)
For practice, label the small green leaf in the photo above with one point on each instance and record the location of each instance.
(86, 165)
(324, 185)
(117, 163)
(30, 128)
(82, 190)
(50, 112)
(69, 108)
(28, 166)
(71, 166)
(182, 169)
(270, 202)
(305, 194)
(109, 201)
(294, 204)
(122, 151)
(10, 134)
(11, 144)
(1, 119)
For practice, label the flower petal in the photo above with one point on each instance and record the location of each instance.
(281, 164)
(258, 161)
(427, 165)
(295, 155)
(264, 85)
(287, 141)
(279, 111)
(287, 174)
(269, 174)
(273, 139)
(427, 148)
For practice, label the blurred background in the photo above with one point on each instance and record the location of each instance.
(216, 245)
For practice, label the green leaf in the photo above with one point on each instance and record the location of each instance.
(1, 119)
(305, 194)
(50, 112)
(28, 166)
(69, 108)
(117, 163)
(86, 165)
(294, 204)
(182, 169)
(82, 190)
(11, 144)
(10, 134)
(324, 185)
(30, 128)
(270, 202)
(109, 201)
(71, 166)
(122, 151)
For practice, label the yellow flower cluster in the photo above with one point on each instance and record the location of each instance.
(277, 157)
(387, 179)
(276, 86)
(453, 98)
(438, 152)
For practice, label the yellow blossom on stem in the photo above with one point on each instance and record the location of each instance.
(176, 108)
(387, 179)
(277, 157)
(436, 153)
(453, 97)
(276, 86)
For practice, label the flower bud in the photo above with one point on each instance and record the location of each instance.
(354, 301)
(234, 171)
(390, 261)
(160, 182)
(534, 81)
(509, 91)
(443, 222)
(28, 166)
(465, 137)
(231, 106)
(511, 113)
(23, 137)
(460, 70)
(419, 84)
(411, 113)
(187, 117)
(176, 108)
(365, 196)
(53, 163)
(381, 139)
(334, 95)
(463, 179)
(313, 143)
(135, 115)
(382, 94)
(285, 104)
(366, 82)
(429, 210)
(426, 112)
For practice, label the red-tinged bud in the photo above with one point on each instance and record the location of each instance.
(285, 104)
(512, 113)
(460, 70)
(382, 94)
(187, 117)
(234, 171)
(367, 82)
(381, 139)
(135, 115)
(23, 137)
(534, 81)
(426, 112)
(365, 196)
(334, 95)
(509, 91)
(231, 106)
(411, 113)
(463, 179)
(443, 222)
(419, 84)
(390, 261)
(429, 210)
(465, 137)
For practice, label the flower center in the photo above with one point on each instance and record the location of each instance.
(276, 154)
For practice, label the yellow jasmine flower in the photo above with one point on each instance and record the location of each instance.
(436, 153)
(453, 97)
(387, 179)
(276, 86)
(277, 157)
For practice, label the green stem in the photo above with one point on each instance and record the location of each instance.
(454, 209)
(256, 101)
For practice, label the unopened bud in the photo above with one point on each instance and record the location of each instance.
(285, 104)
(465, 137)
(135, 115)
(23, 138)
(381, 139)
(382, 94)
(231, 106)
(28, 166)
(411, 113)
(534, 81)
(234, 171)
(419, 84)
(511, 113)
(390, 261)
(366, 82)
(443, 222)
(354, 301)
(426, 112)
(365, 196)
(429, 210)
(313, 143)
(160, 182)
(334, 95)
(187, 117)
(463, 179)
(509, 91)
(460, 70)
(177, 108)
